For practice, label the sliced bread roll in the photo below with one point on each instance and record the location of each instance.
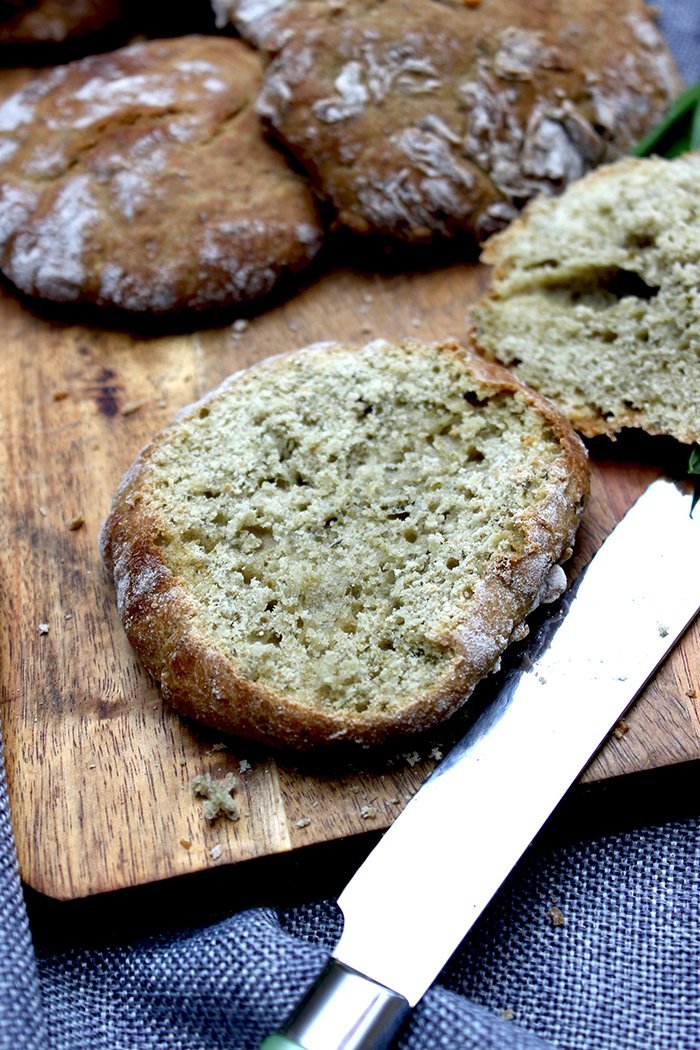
(340, 542)
(595, 298)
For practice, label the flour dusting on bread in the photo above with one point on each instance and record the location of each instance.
(419, 120)
(141, 180)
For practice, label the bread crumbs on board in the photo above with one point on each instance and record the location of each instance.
(129, 407)
(217, 795)
(220, 746)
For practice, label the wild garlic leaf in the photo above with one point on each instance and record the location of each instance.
(694, 472)
(678, 132)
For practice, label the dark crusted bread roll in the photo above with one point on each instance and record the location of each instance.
(418, 118)
(141, 180)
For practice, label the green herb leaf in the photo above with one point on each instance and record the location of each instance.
(694, 472)
(678, 132)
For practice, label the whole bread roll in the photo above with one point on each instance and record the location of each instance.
(419, 120)
(339, 543)
(140, 180)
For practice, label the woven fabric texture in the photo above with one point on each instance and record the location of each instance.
(614, 967)
(22, 1023)
(680, 23)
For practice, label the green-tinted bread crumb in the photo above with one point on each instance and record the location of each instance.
(218, 796)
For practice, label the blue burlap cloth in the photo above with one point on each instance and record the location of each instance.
(622, 972)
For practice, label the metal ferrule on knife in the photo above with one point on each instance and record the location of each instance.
(346, 1011)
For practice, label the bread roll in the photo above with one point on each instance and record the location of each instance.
(595, 298)
(338, 544)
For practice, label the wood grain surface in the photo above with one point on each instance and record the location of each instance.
(99, 770)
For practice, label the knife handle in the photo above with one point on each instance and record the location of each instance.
(279, 1042)
(343, 1011)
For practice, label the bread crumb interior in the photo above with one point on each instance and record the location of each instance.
(331, 519)
(596, 299)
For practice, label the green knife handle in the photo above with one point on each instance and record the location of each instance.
(279, 1042)
(343, 1011)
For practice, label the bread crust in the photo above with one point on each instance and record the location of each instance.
(419, 120)
(141, 180)
(203, 683)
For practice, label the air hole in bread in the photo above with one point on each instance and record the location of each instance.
(637, 239)
(603, 288)
(473, 398)
(541, 264)
(622, 283)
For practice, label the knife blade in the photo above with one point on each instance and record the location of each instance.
(429, 878)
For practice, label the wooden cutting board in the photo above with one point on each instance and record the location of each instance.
(99, 771)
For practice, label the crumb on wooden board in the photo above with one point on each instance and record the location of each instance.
(217, 794)
(620, 729)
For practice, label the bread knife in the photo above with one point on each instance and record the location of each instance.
(433, 872)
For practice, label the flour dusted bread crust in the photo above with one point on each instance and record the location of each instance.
(141, 180)
(339, 543)
(595, 298)
(420, 119)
